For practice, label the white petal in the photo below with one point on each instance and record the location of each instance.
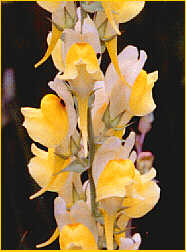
(62, 216)
(90, 34)
(131, 63)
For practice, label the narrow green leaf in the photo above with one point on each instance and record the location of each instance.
(75, 166)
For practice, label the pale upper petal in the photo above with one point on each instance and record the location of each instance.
(62, 216)
(82, 214)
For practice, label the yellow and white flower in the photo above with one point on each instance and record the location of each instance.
(82, 70)
(41, 124)
(142, 195)
(43, 167)
(113, 171)
(116, 12)
(63, 16)
(76, 228)
(134, 96)
(88, 34)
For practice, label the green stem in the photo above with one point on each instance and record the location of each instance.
(92, 192)
(91, 158)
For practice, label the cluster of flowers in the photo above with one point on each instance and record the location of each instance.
(83, 124)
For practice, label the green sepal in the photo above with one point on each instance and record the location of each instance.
(63, 156)
(106, 117)
(114, 123)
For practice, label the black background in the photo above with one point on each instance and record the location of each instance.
(159, 30)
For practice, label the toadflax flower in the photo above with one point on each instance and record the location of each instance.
(76, 228)
(136, 96)
(63, 16)
(54, 133)
(87, 33)
(142, 195)
(44, 166)
(82, 70)
(41, 124)
(112, 171)
(116, 12)
(81, 67)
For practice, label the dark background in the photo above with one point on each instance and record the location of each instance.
(159, 30)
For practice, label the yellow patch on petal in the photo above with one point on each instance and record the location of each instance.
(141, 101)
(48, 125)
(116, 175)
(55, 112)
(76, 236)
(50, 6)
(80, 53)
(56, 35)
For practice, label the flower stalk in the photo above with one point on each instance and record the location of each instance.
(82, 127)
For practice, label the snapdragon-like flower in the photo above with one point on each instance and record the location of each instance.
(43, 168)
(142, 195)
(76, 228)
(63, 16)
(113, 171)
(41, 124)
(136, 97)
(82, 70)
(116, 12)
